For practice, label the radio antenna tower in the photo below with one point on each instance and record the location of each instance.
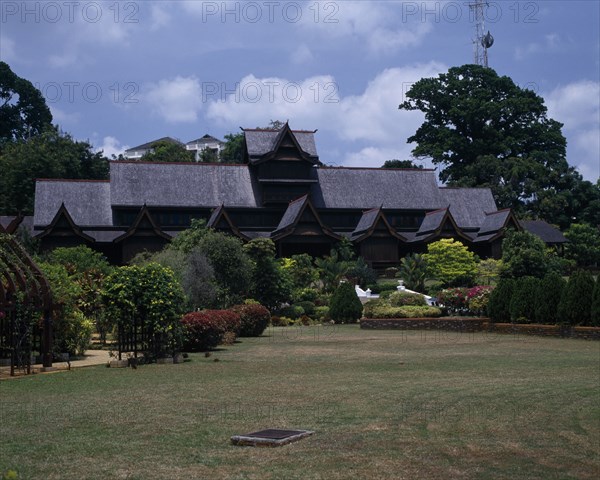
(482, 40)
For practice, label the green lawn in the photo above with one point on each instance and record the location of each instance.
(384, 404)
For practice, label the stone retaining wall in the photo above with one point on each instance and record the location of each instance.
(466, 324)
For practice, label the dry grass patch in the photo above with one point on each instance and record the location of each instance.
(384, 404)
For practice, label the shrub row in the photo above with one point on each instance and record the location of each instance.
(550, 300)
(207, 329)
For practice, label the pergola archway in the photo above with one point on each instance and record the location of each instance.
(23, 289)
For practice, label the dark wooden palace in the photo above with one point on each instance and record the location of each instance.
(281, 191)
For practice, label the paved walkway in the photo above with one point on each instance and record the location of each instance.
(92, 357)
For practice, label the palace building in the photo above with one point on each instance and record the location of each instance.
(281, 191)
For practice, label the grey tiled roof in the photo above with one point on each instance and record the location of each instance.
(181, 184)
(363, 188)
(548, 233)
(88, 202)
(261, 142)
(367, 220)
(104, 236)
(493, 222)
(469, 206)
(432, 221)
(292, 213)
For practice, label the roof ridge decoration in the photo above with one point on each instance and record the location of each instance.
(219, 214)
(273, 149)
(63, 212)
(368, 222)
(144, 213)
(292, 215)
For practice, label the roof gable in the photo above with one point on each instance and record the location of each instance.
(263, 145)
(368, 224)
(220, 220)
(439, 223)
(469, 206)
(299, 210)
(63, 221)
(143, 224)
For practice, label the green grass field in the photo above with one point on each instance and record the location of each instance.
(384, 404)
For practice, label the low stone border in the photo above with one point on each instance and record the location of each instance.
(459, 324)
(481, 324)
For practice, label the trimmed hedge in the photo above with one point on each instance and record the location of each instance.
(596, 304)
(254, 319)
(547, 299)
(499, 304)
(379, 309)
(403, 299)
(522, 302)
(576, 303)
(205, 330)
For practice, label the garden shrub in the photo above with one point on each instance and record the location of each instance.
(74, 334)
(449, 261)
(378, 288)
(547, 299)
(596, 304)
(576, 303)
(402, 299)
(499, 302)
(322, 313)
(277, 321)
(293, 311)
(522, 302)
(478, 298)
(391, 272)
(454, 299)
(254, 319)
(413, 270)
(205, 330)
(410, 311)
(308, 307)
(387, 294)
(305, 295)
(345, 307)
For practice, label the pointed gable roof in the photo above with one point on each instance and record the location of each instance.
(220, 220)
(434, 223)
(63, 219)
(263, 145)
(495, 223)
(292, 217)
(368, 223)
(143, 221)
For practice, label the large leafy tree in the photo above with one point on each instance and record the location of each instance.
(23, 110)
(484, 130)
(233, 150)
(400, 164)
(52, 154)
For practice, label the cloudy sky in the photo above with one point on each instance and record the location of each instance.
(123, 73)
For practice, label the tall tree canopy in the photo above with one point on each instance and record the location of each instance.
(484, 130)
(23, 110)
(400, 164)
(52, 154)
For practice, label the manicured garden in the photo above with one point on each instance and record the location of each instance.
(383, 404)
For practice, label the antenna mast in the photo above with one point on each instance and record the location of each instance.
(482, 40)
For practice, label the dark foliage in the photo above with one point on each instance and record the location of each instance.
(203, 331)
(345, 307)
(522, 302)
(548, 297)
(499, 304)
(576, 302)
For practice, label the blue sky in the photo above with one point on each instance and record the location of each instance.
(123, 73)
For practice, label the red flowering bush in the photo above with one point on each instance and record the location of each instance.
(205, 330)
(254, 319)
(478, 298)
(455, 300)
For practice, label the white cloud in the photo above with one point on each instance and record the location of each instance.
(384, 27)
(577, 106)
(160, 17)
(64, 119)
(111, 146)
(552, 43)
(369, 122)
(176, 101)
